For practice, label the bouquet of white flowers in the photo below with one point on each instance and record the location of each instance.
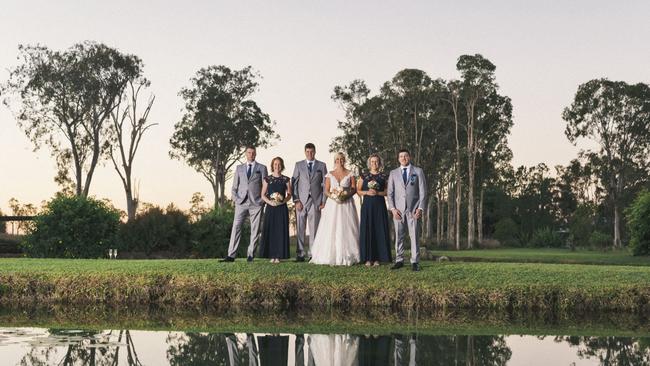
(373, 184)
(277, 198)
(338, 194)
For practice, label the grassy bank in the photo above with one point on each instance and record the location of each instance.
(378, 322)
(200, 283)
(560, 256)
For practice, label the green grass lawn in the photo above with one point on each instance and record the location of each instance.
(262, 284)
(562, 256)
(433, 274)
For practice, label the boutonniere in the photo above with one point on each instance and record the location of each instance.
(413, 177)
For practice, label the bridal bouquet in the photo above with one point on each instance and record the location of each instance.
(338, 194)
(277, 198)
(373, 185)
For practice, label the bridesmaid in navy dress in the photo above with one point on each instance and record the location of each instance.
(374, 238)
(276, 192)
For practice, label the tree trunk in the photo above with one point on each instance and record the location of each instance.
(457, 210)
(617, 226)
(470, 184)
(450, 213)
(130, 205)
(429, 221)
(439, 223)
(479, 219)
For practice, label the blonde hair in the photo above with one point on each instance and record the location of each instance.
(380, 166)
(339, 155)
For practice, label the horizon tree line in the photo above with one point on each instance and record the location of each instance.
(91, 103)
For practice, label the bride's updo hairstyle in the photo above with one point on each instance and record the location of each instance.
(380, 166)
(338, 156)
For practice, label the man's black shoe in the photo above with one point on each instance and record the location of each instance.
(249, 259)
(397, 265)
(415, 266)
(300, 259)
(227, 259)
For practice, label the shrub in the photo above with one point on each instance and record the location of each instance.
(600, 240)
(638, 217)
(546, 237)
(582, 224)
(505, 231)
(157, 230)
(211, 234)
(72, 227)
(3, 225)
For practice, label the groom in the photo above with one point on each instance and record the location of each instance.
(407, 192)
(247, 195)
(308, 184)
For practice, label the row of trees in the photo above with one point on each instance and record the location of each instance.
(457, 131)
(90, 103)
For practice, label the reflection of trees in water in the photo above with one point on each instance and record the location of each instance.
(85, 348)
(462, 350)
(611, 351)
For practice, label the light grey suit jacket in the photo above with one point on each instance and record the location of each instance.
(410, 196)
(305, 184)
(243, 187)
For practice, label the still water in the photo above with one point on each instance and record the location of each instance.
(47, 346)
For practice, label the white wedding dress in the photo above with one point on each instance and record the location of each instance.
(334, 349)
(337, 237)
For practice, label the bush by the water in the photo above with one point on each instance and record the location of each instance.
(157, 230)
(546, 237)
(505, 231)
(211, 234)
(73, 227)
(582, 224)
(600, 240)
(638, 217)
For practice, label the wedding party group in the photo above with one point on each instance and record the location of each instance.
(323, 201)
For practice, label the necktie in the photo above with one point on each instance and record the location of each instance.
(404, 175)
(310, 167)
(248, 171)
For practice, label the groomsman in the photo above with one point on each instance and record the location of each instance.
(247, 195)
(407, 193)
(308, 185)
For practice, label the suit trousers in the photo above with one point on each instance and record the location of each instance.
(309, 215)
(254, 213)
(412, 225)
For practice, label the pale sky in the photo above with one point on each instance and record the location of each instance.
(542, 50)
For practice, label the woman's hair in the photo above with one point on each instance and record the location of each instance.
(381, 162)
(339, 155)
(281, 163)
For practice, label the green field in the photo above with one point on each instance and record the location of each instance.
(563, 256)
(536, 286)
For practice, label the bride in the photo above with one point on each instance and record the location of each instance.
(337, 237)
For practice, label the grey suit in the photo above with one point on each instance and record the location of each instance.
(308, 189)
(247, 195)
(407, 198)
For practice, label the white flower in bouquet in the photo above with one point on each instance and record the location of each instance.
(277, 198)
(338, 194)
(373, 185)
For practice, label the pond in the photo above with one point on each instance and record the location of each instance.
(155, 338)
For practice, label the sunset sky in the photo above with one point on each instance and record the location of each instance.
(543, 50)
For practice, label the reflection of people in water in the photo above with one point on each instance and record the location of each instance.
(374, 350)
(333, 349)
(233, 350)
(403, 345)
(274, 350)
